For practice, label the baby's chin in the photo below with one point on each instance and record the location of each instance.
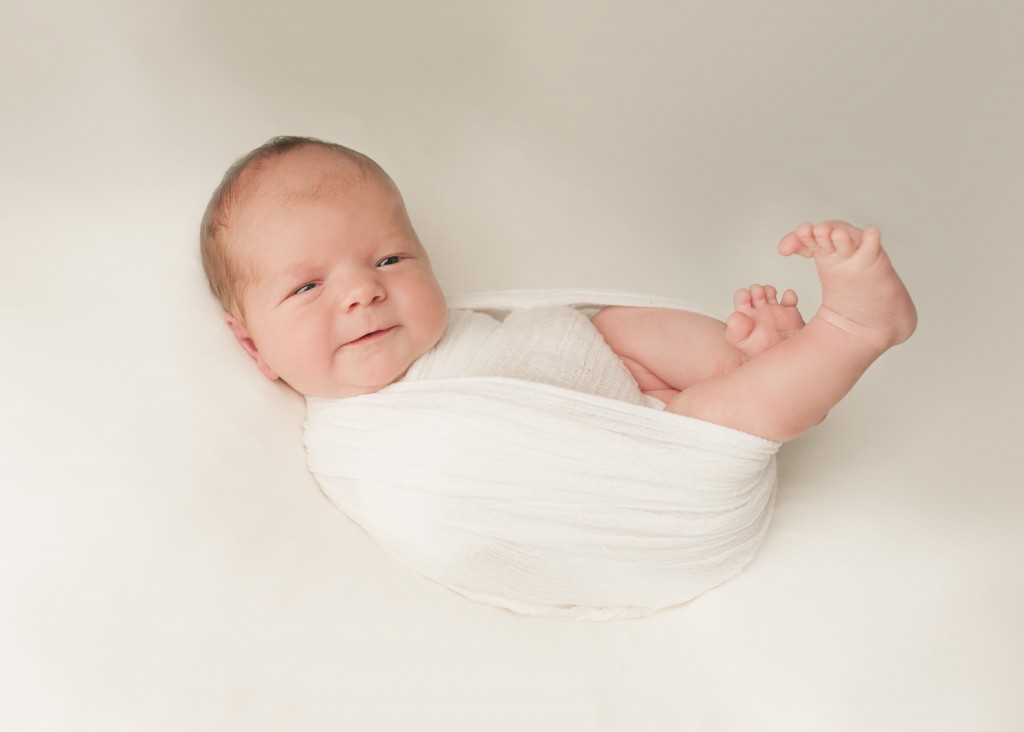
(368, 378)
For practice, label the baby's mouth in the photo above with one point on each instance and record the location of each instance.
(371, 336)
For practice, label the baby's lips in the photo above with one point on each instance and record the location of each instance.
(370, 335)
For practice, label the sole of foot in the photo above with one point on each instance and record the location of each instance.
(861, 292)
(761, 319)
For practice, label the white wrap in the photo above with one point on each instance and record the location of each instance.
(542, 498)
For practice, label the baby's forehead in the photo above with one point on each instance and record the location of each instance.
(274, 188)
(310, 172)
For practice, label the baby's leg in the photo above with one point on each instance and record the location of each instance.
(667, 351)
(790, 387)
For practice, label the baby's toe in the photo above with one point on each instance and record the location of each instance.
(741, 301)
(738, 328)
(823, 237)
(850, 229)
(872, 241)
(843, 242)
(799, 241)
(805, 234)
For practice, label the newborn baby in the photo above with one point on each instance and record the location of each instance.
(518, 462)
(327, 287)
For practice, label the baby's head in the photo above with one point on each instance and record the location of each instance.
(322, 278)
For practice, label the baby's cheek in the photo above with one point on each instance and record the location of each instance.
(437, 307)
(433, 326)
(301, 340)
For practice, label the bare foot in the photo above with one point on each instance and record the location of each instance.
(762, 320)
(861, 292)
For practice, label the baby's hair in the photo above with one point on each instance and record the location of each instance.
(227, 275)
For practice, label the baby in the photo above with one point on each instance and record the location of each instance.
(327, 287)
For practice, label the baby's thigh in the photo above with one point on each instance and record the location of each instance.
(679, 347)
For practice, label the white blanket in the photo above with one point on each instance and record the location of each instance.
(540, 498)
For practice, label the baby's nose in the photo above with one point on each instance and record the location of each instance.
(363, 291)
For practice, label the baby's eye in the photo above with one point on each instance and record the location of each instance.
(305, 288)
(394, 259)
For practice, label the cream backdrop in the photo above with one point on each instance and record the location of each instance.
(166, 562)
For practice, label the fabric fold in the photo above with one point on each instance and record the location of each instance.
(543, 499)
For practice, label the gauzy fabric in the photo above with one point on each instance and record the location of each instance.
(519, 465)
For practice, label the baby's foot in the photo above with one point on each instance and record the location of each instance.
(861, 292)
(762, 320)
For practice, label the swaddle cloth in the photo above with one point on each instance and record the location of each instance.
(527, 482)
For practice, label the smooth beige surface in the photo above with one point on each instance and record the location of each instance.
(166, 563)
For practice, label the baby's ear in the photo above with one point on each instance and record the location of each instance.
(247, 343)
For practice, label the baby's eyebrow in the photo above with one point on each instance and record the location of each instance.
(292, 276)
(285, 283)
(268, 282)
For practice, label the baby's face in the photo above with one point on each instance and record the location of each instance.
(344, 298)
